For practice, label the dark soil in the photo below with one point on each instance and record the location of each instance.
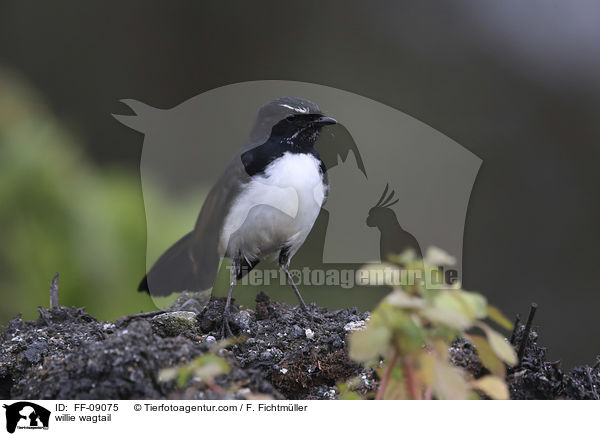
(67, 354)
(534, 378)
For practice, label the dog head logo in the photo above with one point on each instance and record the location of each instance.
(26, 415)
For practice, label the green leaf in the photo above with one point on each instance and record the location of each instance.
(501, 347)
(408, 335)
(183, 376)
(369, 344)
(494, 387)
(498, 317)
(349, 395)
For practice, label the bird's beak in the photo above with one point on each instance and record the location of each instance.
(324, 121)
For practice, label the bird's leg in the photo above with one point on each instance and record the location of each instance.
(225, 328)
(284, 263)
(291, 280)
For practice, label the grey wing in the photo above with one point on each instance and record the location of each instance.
(205, 250)
(192, 263)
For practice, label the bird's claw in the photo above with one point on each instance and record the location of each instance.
(308, 314)
(225, 328)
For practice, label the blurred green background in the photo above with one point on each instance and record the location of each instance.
(517, 83)
(63, 213)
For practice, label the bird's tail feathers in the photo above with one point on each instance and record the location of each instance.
(179, 269)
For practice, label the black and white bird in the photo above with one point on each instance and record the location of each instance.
(262, 207)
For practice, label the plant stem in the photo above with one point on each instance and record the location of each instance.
(386, 376)
(54, 292)
(428, 395)
(525, 335)
(410, 379)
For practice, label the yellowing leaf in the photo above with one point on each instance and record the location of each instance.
(441, 349)
(209, 370)
(425, 367)
(399, 298)
(488, 357)
(447, 317)
(405, 258)
(369, 344)
(167, 374)
(476, 303)
(501, 347)
(498, 317)
(494, 387)
(470, 304)
(208, 366)
(437, 256)
(449, 383)
(395, 389)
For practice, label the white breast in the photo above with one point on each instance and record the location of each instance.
(275, 210)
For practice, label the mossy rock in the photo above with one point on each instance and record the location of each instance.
(174, 323)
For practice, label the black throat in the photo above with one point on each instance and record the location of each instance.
(258, 158)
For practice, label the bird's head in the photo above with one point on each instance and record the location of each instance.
(301, 129)
(292, 120)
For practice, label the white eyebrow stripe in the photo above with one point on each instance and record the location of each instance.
(296, 109)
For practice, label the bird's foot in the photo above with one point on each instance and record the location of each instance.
(308, 313)
(225, 328)
(126, 319)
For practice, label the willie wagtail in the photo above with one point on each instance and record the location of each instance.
(262, 207)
